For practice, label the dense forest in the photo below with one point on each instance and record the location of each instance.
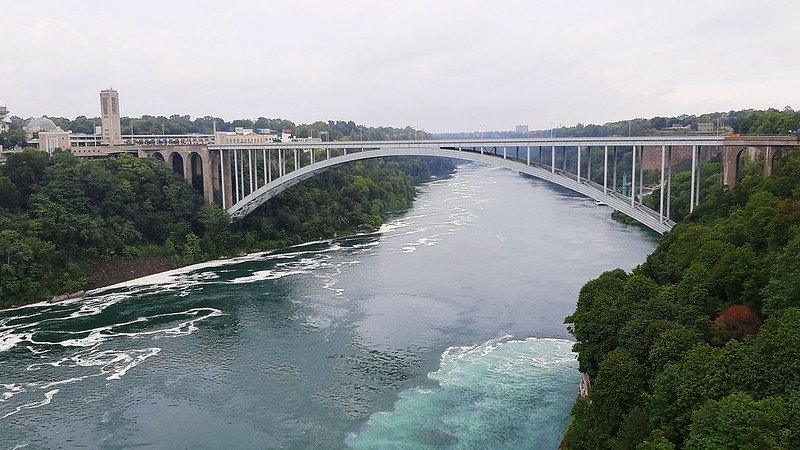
(332, 130)
(747, 121)
(699, 347)
(61, 217)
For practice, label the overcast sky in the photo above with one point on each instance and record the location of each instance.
(437, 65)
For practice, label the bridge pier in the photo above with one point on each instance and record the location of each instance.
(614, 184)
(766, 147)
(605, 169)
(641, 174)
(661, 186)
(226, 178)
(669, 182)
(633, 177)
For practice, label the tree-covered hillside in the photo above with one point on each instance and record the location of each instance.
(746, 121)
(61, 217)
(699, 347)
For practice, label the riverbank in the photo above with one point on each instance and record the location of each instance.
(53, 246)
(119, 270)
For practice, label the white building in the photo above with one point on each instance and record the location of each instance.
(244, 136)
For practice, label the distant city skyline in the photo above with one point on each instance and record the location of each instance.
(443, 66)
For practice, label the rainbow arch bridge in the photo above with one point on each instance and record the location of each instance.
(242, 177)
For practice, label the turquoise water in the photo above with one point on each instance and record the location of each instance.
(500, 394)
(443, 330)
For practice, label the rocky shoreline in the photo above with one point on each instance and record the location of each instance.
(118, 270)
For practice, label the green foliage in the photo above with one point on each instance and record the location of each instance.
(683, 387)
(714, 375)
(656, 441)
(13, 138)
(738, 421)
(183, 124)
(748, 121)
(61, 216)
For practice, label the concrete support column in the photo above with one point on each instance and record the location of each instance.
(241, 174)
(208, 178)
(669, 181)
(579, 164)
(187, 168)
(236, 174)
(553, 160)
(633, 177)
(730, 158)
(529, 155)
(614, 169)
(264, 160)
(250, 168)
(589, 164)
(641, 174)
(694, 175)
(697, 190)
(605, 170)
(504, 152)
(769, 156)
(661, 185)
(226, 180)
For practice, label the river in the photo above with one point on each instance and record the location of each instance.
(443, 330)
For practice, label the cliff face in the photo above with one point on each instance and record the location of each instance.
(652, 156)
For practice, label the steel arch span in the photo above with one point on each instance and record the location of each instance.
(642, 214)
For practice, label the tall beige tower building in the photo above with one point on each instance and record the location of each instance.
(109, 108)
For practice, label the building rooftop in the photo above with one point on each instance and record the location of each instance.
(41, 124)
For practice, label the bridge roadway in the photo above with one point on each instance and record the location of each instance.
(243, 173)
(248, 192)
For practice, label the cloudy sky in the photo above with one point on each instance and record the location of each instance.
(437, 65)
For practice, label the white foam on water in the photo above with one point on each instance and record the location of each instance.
(503, 393)
(111, 364)
(9, 339)
(265, 275)
(48, 398)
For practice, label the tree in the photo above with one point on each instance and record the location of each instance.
(737, 421)
(683, 387)
(736, 322)
(600, 313)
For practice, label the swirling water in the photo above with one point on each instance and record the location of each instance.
(443, 330)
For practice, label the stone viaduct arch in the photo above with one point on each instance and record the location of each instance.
(193, 162)
(767, 148)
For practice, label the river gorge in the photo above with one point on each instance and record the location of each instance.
(443, 329)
